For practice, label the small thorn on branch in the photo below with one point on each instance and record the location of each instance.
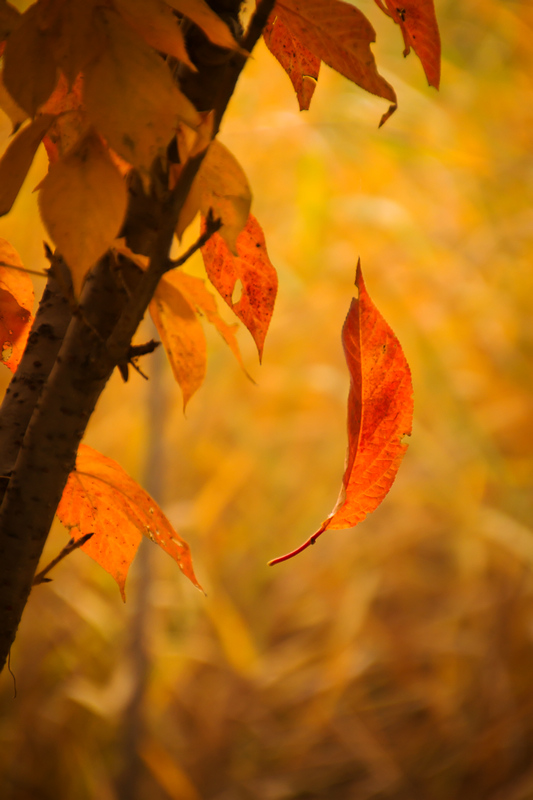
(71, 545)
(212, 225)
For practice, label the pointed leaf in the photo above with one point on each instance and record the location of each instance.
(158, 26)
(16, 114)
(16, 304)
(30, 72)
(181, 333)
(82, 203)
(222, 186)
(340, 35)
(252, 267)
(130, 95)
(72, 33)
(102, 499)
(420, 31)
(300, 64)
(380, 414)
(212, 25)
(195, 292)
(18, 157)
(9, 19)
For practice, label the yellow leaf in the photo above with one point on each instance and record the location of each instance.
(222, 186)
(212, 25)
(155, 22)
(82, 203)
(16, 161)
(30, 72)
(182, 335)
(130, 95)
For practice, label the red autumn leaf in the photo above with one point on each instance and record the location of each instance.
(380, 414)
(16, 303)
(300, 64)
(420, 31)
(340, 35)
(100, 498)
(255, 272)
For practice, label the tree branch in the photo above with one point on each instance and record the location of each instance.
(96, 341)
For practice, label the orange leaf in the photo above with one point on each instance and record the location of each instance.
(340, 35)
(255, 272)
(420, 31)
(16, 303)
(181, 333)
(300, 64)
(100, 498)
(380, 413)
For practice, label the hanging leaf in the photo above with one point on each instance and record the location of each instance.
(9, 19)
(340, 35)
(420, 31)
(157, 25)
(72, 34)
(212, 25)
(30, 72)
(300, 64)
(130, 95)
(181, 333)
(18, 157)
(380, 413)
(16, 114)
(16, 304)
(222, 186)
(252, 267)
(82, 202)
(71, 123)
(100, 498)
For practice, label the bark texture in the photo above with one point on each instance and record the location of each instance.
(75, 366)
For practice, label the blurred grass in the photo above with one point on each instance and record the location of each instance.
(393, 661)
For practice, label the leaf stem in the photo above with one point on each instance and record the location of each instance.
(212, 226)
(312, 539)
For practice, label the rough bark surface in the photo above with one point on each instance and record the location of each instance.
(57, 411)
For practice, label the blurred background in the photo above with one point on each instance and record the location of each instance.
(392, 661)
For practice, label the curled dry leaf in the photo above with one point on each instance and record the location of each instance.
(340, 35)
(222, 186)
(30, 72)
(16, 304)
(82, 202)
(420, 31)
(380, 414)
(70, 124)
(100, 498)
(212, 25)
(253, 268)
(301, 65)
(18, 157)
(130, 96)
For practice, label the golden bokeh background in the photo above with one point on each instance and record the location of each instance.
(392, 661)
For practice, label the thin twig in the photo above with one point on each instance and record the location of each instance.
(24, 269)
(212, 226)
(70, 546)
(12, 675)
